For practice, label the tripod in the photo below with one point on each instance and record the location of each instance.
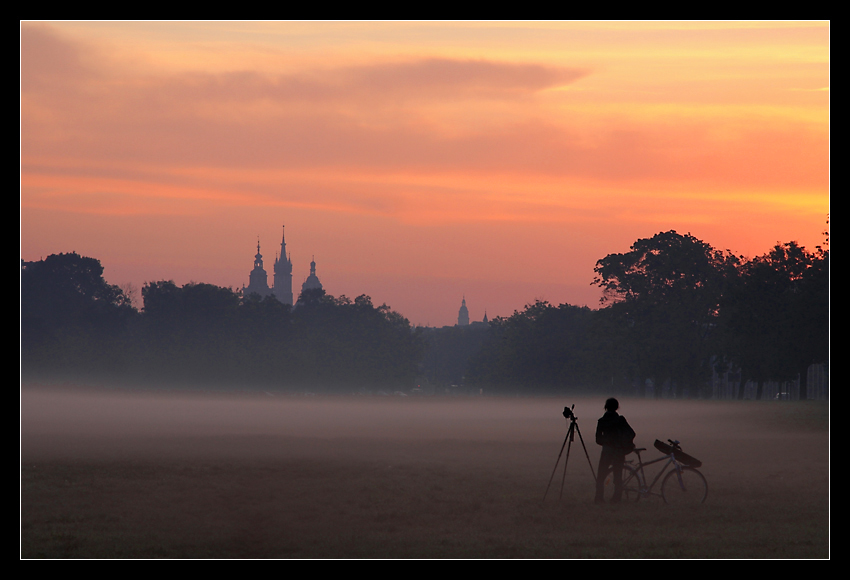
(571, 431)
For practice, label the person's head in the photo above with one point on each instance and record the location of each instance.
(612, 404)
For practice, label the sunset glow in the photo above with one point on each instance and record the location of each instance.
(418, 162)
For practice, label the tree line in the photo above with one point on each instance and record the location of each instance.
(674, 310)
(74, 324)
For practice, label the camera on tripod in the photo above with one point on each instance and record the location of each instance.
(572, 429)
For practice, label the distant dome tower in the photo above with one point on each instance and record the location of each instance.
(463, 314)
(258, 280)
(312, 281)
(283, 275)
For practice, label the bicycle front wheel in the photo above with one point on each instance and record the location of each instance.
(685, 487)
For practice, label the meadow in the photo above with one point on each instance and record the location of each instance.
(129, 474)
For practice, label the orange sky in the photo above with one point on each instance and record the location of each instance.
(418, 162)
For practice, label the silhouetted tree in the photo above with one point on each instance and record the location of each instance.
(264, 334)
(776, 316)
(189, 332)
(669, 289)
(345, 343)
(449, 352)
(71, 318)
(541, 348)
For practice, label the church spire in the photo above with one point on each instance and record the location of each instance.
(312, 282)
(283, 273)
(282, 243)
(258, 259)
(463, 314)
(258, 278)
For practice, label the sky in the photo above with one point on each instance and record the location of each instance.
(418, 162)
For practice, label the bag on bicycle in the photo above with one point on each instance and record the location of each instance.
(686, 459)
(680, 455)
(663, 447)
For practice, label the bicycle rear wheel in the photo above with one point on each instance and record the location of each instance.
(685, 487)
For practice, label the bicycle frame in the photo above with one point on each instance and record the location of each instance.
(645, 490)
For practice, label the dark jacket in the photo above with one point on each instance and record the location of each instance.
(612, 430)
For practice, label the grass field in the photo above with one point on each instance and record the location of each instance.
(132, 475)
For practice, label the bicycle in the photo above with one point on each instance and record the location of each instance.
(682, 485)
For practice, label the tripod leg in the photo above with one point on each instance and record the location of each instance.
(556, 465)
(570, 436)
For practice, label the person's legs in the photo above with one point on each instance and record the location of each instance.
(601, 473)
(617, 462)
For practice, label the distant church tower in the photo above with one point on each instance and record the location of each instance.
(463, 314)
(258, 280)
(283, 275)
(312, 281)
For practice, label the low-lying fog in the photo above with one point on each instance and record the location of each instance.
(73, 424)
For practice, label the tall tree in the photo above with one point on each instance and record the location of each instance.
(668, 289)
(71, 318)
(776, 317)
(189, 332)
(541, 348)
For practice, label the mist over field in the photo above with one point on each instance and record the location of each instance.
(54, 423)
(208, 475)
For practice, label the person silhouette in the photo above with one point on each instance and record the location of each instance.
(615, 435)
